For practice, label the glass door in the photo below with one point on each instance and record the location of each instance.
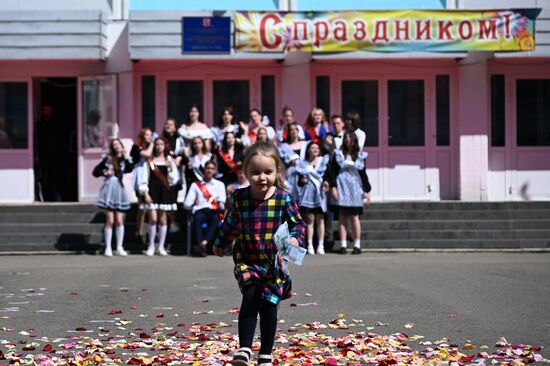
(362, 97)
(393, 113)
(97, 125)
(211, 94)
(405, 151)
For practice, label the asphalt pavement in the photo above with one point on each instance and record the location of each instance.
(475, 297)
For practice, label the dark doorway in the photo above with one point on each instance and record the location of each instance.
(55, 139)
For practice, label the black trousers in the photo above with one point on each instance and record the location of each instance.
(252, 305)
(209, 219)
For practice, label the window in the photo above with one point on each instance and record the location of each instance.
(182, 94)
(234, 93)
(99, 110)
(533, 112)
(323, 94)
(443, 112)
(148, 102)
(406, 112)
(13, 115)
(268, 98)
(498, 131)
(361, 96)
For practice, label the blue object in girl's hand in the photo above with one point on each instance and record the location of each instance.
(289, 252)
(295, 254)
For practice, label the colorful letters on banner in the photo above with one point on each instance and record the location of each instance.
(387, 31)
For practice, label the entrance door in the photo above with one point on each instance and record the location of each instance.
(211, 94)
(55, 139)
(394, 115)
(520, 137)
(98, 124)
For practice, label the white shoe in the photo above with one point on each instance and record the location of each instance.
(310, 250)
(321, 250)
(121, 252)
(163, 252)
(108, 252)
(150, 251)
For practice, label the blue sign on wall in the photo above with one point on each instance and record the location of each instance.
(206, 34)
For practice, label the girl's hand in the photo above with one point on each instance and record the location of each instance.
(244, 126)
(293, 241)
(217, 251)
(325, 187)
(334, 193)
(107, 173)
(147, 198)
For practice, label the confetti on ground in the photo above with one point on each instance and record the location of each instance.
(208, 344)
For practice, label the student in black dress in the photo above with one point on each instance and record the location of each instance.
(230, 157)
(158, 177)
(113, 197)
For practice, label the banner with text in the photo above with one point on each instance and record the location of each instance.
(386, 31)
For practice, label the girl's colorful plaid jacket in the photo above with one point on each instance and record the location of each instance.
(253, 223)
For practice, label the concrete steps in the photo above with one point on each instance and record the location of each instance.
(453, 225)
(65, 227)
(393, 225)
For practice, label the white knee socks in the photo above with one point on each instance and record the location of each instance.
(162, 238)
(152, 236)
(357, 243)
(310, 249)
(321, 247)
(108, 235)
(119, 240)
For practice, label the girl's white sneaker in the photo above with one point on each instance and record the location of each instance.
(121, 252)
(310, 250)
(321, 250)
(150, 251)
(108, 252)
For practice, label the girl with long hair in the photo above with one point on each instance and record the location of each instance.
(348, 192)
(159, 175)
(312, 197)
(141, 152)
(317, 126)
(113, 197)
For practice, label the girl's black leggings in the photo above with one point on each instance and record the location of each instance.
(252, 305)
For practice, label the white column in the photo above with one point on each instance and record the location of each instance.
(473, 127)
(296, 83)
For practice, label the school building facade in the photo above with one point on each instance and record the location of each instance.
(470, 126)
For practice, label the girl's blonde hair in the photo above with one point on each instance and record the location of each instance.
(269, 150)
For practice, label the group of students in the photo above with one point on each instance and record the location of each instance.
(201, 167)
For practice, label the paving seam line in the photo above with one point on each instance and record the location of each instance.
(364, 250)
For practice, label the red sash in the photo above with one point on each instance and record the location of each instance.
(208, 197)
(313, 134)
(253, 136)
(156, 171)
(229, 161)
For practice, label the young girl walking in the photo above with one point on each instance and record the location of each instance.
(112, 196)
(348, 193)
(253, 216)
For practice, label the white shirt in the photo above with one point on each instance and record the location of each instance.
(361, 137)
(338, 140)
(216, 189)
